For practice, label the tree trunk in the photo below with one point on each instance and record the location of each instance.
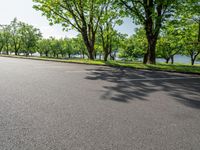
(16, 49)
(27, 54)
(152, 26)
(145, 58)
(194, 57)
(89, 44)
(46, 54)
(91, 55)
(172, 60)
(95, 55)
(192, 60)
(152, 36)
(106, 56)
(83, 55)
(151, 54)
(16, 52)
(7, 51)
(167, 60)
(112, 57)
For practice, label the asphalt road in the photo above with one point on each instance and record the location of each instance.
(57, 106)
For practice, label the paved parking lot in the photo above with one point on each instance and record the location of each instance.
(58, 106)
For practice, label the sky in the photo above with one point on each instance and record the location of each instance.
(23, 11)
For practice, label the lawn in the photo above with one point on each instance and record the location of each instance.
(184, 68)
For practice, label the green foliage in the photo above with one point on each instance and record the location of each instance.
(82, 50)
(18, 37)
(5, 38)
(83, 16)
(15, 36)
(170, 42)
(150, 14)
(29, 37)
(192, 46)
(188, 20)
(44, 47)
(61, 48)
(71, 14)
(135, 46)
(107, 34)
(69, 47)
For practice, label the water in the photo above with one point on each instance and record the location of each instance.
(179, 59)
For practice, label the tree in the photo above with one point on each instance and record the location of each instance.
(192, 46)
(54, 47)
(83, 16)
(166, 49)
(106, 29)
(150, 14)
(6, 38)
(2, 40)
(15, 40)
(170, 41)
(69, 46)
(190, 12)
(43, 47)
(140, 43)
(81, 46)
(63, 51)
(135, 45)
(29, 36)
(189, 17)
(128, 49)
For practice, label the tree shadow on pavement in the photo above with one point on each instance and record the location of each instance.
(129, 84)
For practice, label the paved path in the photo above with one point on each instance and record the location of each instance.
(57, 106)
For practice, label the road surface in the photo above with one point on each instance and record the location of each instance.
(58, 106)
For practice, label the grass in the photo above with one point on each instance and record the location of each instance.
(183, 68)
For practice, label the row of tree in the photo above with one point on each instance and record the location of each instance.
(21, 38)
(18, 37)
(62, 48)
(92, 18)
(174, 39)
